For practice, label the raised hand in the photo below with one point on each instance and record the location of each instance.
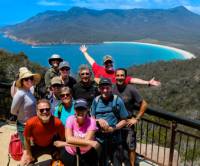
(83, 48)
(153, 82)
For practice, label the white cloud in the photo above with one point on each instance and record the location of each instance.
(50, 3)
(195, 9)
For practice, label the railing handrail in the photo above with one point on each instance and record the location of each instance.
(172, 117)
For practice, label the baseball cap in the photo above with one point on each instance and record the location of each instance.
(105, 81)
(106, 58)
(56, 80)
(80, 103)
(64, 64)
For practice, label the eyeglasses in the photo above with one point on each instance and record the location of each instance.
(44, 109)
(65, 95)
(87, 74)
(65, 68)
(28, 78)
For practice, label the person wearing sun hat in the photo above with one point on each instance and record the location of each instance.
(24, 103)
(53, 71)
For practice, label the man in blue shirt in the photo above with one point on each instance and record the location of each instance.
(111, 115)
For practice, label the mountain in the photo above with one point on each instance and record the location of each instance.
(82, 25)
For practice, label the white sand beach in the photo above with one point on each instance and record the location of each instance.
(185, 54)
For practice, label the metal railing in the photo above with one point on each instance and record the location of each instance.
(163, 137)
(168, 139)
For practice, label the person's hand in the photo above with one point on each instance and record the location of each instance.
(153, 82)
(83, 48)
(131, 122)
(95, 144)
(109, 130)
(26, 158)
(103, 124)
(59, 144)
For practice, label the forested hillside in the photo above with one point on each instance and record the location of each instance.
(179, 93)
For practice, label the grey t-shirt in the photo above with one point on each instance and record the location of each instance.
(129, 95)
(23, 105)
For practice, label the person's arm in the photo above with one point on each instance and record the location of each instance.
(90, 60)
(151, 82)
(118, 126)
(17, 102)
(134, 120)
(87, 141)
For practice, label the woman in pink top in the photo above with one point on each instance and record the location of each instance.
(80, 137)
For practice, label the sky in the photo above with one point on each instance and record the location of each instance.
(15, 11)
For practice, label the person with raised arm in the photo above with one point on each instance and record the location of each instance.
(107, 71)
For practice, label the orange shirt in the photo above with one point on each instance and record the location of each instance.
(42, 133)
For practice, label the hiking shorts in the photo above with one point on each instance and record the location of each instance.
(129, 137)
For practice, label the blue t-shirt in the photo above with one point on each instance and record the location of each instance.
(65, 113)
(104, 110)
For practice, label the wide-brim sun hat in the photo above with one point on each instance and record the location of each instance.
(25, 74)
(55, 57)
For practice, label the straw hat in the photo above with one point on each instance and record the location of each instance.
(25, 73)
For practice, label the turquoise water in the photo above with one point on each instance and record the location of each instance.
(124, 54)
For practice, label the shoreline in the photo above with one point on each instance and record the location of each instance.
(185, 54)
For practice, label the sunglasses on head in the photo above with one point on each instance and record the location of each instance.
(86, 73)
(44, 109)
(28, 78)
(64, 95)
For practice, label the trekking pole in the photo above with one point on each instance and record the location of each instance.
(77, 156)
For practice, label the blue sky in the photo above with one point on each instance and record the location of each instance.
(14, 11)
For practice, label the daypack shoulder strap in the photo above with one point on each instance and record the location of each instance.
(96, 101)
(115, 107)
(60, 106)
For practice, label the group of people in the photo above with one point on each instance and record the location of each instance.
(91, 118)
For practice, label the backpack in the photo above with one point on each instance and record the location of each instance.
(15, 148)
(115, 106)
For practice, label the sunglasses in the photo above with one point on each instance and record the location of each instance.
(87, 74)
(65, 95)
(44, 109)
(108, 62)
(28, 78)
(65, 68)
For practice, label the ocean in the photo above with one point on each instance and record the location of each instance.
(124, 54)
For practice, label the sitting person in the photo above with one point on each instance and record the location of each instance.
(107, 71)
(66, 107)
(40, 132)
(79, 132)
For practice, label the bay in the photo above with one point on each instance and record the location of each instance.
(124, 54)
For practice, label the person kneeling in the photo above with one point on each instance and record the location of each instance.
(40, 132)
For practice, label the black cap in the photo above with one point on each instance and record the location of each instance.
(105, 81)
(80, 103)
